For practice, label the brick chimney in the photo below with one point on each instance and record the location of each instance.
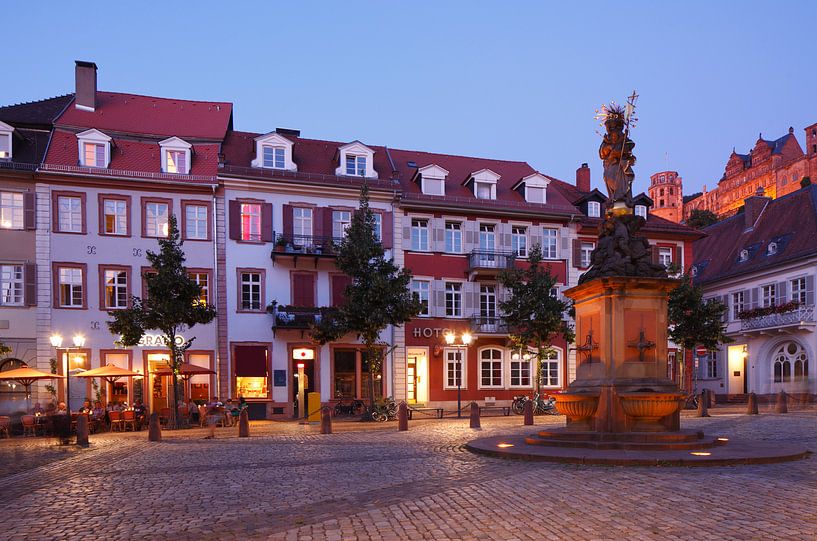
(583, 178)
(753, 206)
(85, 76)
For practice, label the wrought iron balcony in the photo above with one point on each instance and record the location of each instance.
(291, 247)
(489, 262)
(294, 317)
(488, 324)
(798, 317)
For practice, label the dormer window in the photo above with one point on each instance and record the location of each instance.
(484, 190)
(356, 160)
(484, 183)
(533, 188)
(175, 156)
(5, 140)
(771, 249)
(744, 255)
(641, 210)
(432, 179)
(355, 165)
(94, 148)
(593, 209)
(273, 151)
(274, 156)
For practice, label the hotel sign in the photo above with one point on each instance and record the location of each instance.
(431, 332)
(149, 340)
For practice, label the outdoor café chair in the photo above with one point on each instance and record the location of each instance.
(29, 425)
(129, 419)
(164, 417)
(116, 420)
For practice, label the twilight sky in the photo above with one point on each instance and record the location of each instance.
(507, 80)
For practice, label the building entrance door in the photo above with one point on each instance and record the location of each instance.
(303, 368)
(417, 377)
(160, 386)
(737, 369)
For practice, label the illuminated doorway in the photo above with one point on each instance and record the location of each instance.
(736, 359)
(417, 376)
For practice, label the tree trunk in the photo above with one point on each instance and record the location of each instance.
(174, 368)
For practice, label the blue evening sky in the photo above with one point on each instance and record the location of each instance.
(508, 80)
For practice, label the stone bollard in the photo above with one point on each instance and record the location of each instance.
(782, 405)
(527, 411)
(475, 415)
(712, 401)
(402, 417)
(703, 404)
(154, 429)
(751, 407)
(82, 430)
(244, 424)
(326, 420)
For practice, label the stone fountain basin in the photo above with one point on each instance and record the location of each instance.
(650, 404)
(577, 405)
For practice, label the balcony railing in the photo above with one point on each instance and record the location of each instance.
(490, 260)
(306, 244)
(488, 324)
(798, 316)
(295, 317)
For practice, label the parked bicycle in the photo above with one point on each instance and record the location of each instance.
(542, 404)
(385, 410)
(352, 407)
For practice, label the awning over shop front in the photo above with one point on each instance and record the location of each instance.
(251, 361)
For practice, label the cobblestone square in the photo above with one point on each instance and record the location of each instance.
(289, 482)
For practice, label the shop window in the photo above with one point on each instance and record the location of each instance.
(345, 373)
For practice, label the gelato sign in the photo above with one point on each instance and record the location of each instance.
(153, 340)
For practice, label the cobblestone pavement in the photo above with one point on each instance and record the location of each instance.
(287, 482)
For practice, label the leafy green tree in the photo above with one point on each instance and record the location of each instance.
(378, 295)
(700, 218)
(534, 316)
(171, 305)
(4, 348)
(695, 321)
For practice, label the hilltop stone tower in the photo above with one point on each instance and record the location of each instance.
(666, 191)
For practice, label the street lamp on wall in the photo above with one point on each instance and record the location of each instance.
(78, 341)
(465, 340)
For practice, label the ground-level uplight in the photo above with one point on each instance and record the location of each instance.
(504, 445)
(700, 453)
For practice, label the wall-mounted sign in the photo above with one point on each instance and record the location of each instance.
(159, 340)
(303, 354)
(431, 332)
(279, 378)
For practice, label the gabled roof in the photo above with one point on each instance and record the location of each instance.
(35, 114)
(592, 195)
(790, 221)
(146, 115)
(643, 199)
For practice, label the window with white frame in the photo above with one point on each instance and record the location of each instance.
(356, 165)
(586, 253)
(490, 367)
(69, 214)
(203, 281)
(93, 154)
(5, 140)
(549, 369)
(738, 303)
(251, 222)
(176, 154)
(789, 358)
(156, 219)
(798, 290)
(250, 291)
(485, 190)
(419, 235)
(550, 238)
(12, 285)
(116, 289)
(421, 290)
(341, 221)
(519, 241)
(593, 209)
(302, 223)
(70, 287)
(12, 210)
(521, 370)
(196, 227)
(453, 237)
(454, 368)
(641, 210)
(487, 302)
(535, 194)
(665, 256)
(487, 237)
(453, 299)
(433, 186)
(769, 295)
(712, 365)
(115, 216)
(176, 161)
(378, 226)
(274, 156)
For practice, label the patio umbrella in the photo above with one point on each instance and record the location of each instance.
(26, 377)
(109, 373)
(186, 371)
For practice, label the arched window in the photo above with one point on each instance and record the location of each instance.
(490, 367)
(790, 357)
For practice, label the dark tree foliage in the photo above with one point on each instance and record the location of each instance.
(171, 305)
(377, 297)
(700, 218)
(534, 317)
(694, 321)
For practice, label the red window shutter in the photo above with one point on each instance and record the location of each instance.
(266, 223)
(30, 284)
(339, 284)
(287, 215)
(577, 254)
(654, 254)
(235, 220)
(30, 210)
(326, 218)
(318, 226)
(679, 255)
(303, 290)
(388, 230)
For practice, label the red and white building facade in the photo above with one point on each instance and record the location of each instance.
(261, 215)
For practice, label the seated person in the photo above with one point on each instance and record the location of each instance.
(86, 407)
(62, 409)
(38, 408)
(140, 413)
(193, 411)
